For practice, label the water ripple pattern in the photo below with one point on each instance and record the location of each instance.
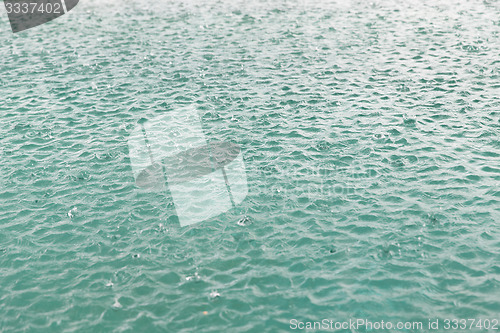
(370, 132)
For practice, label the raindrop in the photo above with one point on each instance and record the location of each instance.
(245, 220)
(117, 304)
(72, 212)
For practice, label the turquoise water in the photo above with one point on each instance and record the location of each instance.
(370, 133)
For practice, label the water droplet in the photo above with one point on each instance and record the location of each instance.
(214, 294)
(245, 220)
(72, 212)
(117, 304)
(195, 277)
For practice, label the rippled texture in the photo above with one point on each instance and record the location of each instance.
(371, 137)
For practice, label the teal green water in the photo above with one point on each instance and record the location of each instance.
(371, 137)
